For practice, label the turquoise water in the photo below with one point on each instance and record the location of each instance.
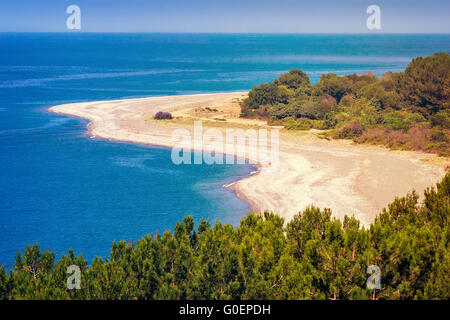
(65, 190)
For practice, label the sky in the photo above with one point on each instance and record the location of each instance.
(226, 16)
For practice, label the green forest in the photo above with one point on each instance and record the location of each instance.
(408, 110)
(313, 256)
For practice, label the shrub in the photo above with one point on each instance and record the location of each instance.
(264, 94)
(414, 117)
(350, 130)
(274, 121)
(297, 124)
(394, 121)
(284, 94)
(305, 108)
(321, 124)
(387, 81)
(402, 120)
(370, 116)
(441, 119)
(420, 136)
(312, 110)
(356, 82)
(439, 136)
(441, 148)
(378, 97)
(342, 117)
(295, 79)
(347, 100)
(163, 115)
(333, 85)
(281, 111)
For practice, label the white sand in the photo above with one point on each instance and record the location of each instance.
(350, 179)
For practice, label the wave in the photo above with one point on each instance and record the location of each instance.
(292, 58)
(259, 76)
(100, 75)
(46, 103)
(25, 68)
(323, 58)
(140, 162)
(234, 76)
(353, 70)
(50, 124)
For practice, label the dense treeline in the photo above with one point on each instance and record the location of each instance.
(406, 110)
(314, 256)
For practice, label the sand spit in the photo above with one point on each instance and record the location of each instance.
(350, 179)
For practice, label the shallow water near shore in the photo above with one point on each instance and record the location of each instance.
(65, 190)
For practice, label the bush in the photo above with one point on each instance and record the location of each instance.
(305, 108)
(441, 119)
(322, 124)
(420, 138)
(347, 100)
(350, 130)
(312, 110)
(414, 117)
(295, 79)
(297, 124)
(378, 97)
(387, 81)
(333, 85)
(356, 82)
(439, 136)
(402, 120)
(264, 94)
(394, 121)
(281, 111)
(342, 117)
(284, 94)
(440, 148)
(370, 116)
(162, 115)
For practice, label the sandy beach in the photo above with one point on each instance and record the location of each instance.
(350, 179)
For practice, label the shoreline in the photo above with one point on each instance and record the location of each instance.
(328, 174)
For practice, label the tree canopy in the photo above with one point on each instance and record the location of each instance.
(425, 84)
(313, 256)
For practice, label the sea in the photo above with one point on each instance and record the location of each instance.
(63, 189)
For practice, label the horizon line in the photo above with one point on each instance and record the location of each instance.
(237, 33)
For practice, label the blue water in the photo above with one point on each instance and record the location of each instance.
(65, 190)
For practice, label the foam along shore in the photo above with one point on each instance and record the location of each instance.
(350, 179)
